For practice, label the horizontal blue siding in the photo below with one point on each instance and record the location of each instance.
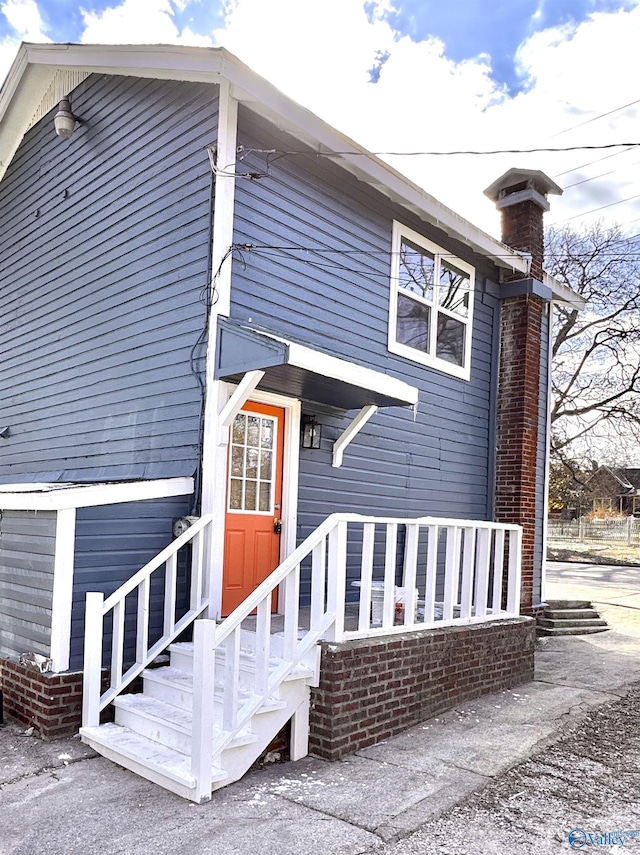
(438, 461)
(104, 252)
(112, 543)
(27, 544)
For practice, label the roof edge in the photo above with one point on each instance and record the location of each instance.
(212, 64)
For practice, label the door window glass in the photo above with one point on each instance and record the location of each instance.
(251, 474)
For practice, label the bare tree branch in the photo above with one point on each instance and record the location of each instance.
(596, 352)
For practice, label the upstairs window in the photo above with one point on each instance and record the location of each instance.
(430, 318)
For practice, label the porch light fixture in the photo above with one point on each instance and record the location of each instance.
(64, 120)
(311, 432)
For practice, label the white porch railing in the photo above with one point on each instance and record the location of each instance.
(139, 590)
(449, 571)
(452, 572)
(441, 571)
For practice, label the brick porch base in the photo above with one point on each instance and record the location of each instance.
(51, 703)
(372, 689)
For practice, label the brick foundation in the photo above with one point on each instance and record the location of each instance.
(51, 703)
(372, 689)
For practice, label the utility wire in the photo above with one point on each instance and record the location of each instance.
(590, 163)
(295, 153)
(596, 118)
(595, 210)
(602, 175)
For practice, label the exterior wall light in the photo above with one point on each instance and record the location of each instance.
(64, 120)
(311, 432)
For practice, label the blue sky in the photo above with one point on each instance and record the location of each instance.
(493, 27)
(400, 75)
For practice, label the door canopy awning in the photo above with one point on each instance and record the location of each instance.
(301, 372)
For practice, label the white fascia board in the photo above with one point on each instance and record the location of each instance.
(169, 62)
(178, 62)
(55, 497)
(348, 372)
(563, 293)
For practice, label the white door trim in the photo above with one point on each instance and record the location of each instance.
(290, 463)
(290, 470)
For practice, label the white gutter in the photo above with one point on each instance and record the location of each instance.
(563, 294)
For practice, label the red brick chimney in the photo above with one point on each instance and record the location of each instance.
(521, 196)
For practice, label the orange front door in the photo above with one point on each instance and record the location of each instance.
(254, 501)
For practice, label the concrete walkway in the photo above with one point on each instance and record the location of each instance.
(59, 798)
(614, 591)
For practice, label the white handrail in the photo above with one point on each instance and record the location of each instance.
(97, 608)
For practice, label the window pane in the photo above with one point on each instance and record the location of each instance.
(454, 289)
(252, 463)
(412, 326)
(253, 432)
(235, 495)
(450, 340)
(238, 428)
(266, 436)
(265, 497)
(265, 465)
(237, 456)
(416, 270)
(250, 495)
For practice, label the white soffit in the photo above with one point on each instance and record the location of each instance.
(35, 69)
(316, 362)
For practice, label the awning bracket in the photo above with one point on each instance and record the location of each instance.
(351, 432)
(240, 397)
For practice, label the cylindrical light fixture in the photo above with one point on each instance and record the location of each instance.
(64, 120)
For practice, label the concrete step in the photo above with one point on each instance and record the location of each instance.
(572, 622)
(586, 630)
(570, 614)
(147, 758)
(568, 604)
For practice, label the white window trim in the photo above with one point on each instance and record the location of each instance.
(464, 371)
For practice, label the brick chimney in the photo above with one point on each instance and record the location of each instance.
(521, 197)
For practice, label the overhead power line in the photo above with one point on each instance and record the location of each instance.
(472, 152)
(597, 118)
(595, 210)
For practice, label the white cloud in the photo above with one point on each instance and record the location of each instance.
(138, 22)
(24, 19)
(321, 55)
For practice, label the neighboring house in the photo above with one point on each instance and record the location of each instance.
(613, 489)
(234, 341)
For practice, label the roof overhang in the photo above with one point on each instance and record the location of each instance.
(36, 66)
(301, 372)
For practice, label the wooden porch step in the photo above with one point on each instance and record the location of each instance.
(166, 724)
(157, 763)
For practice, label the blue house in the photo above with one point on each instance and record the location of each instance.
(269, 412)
